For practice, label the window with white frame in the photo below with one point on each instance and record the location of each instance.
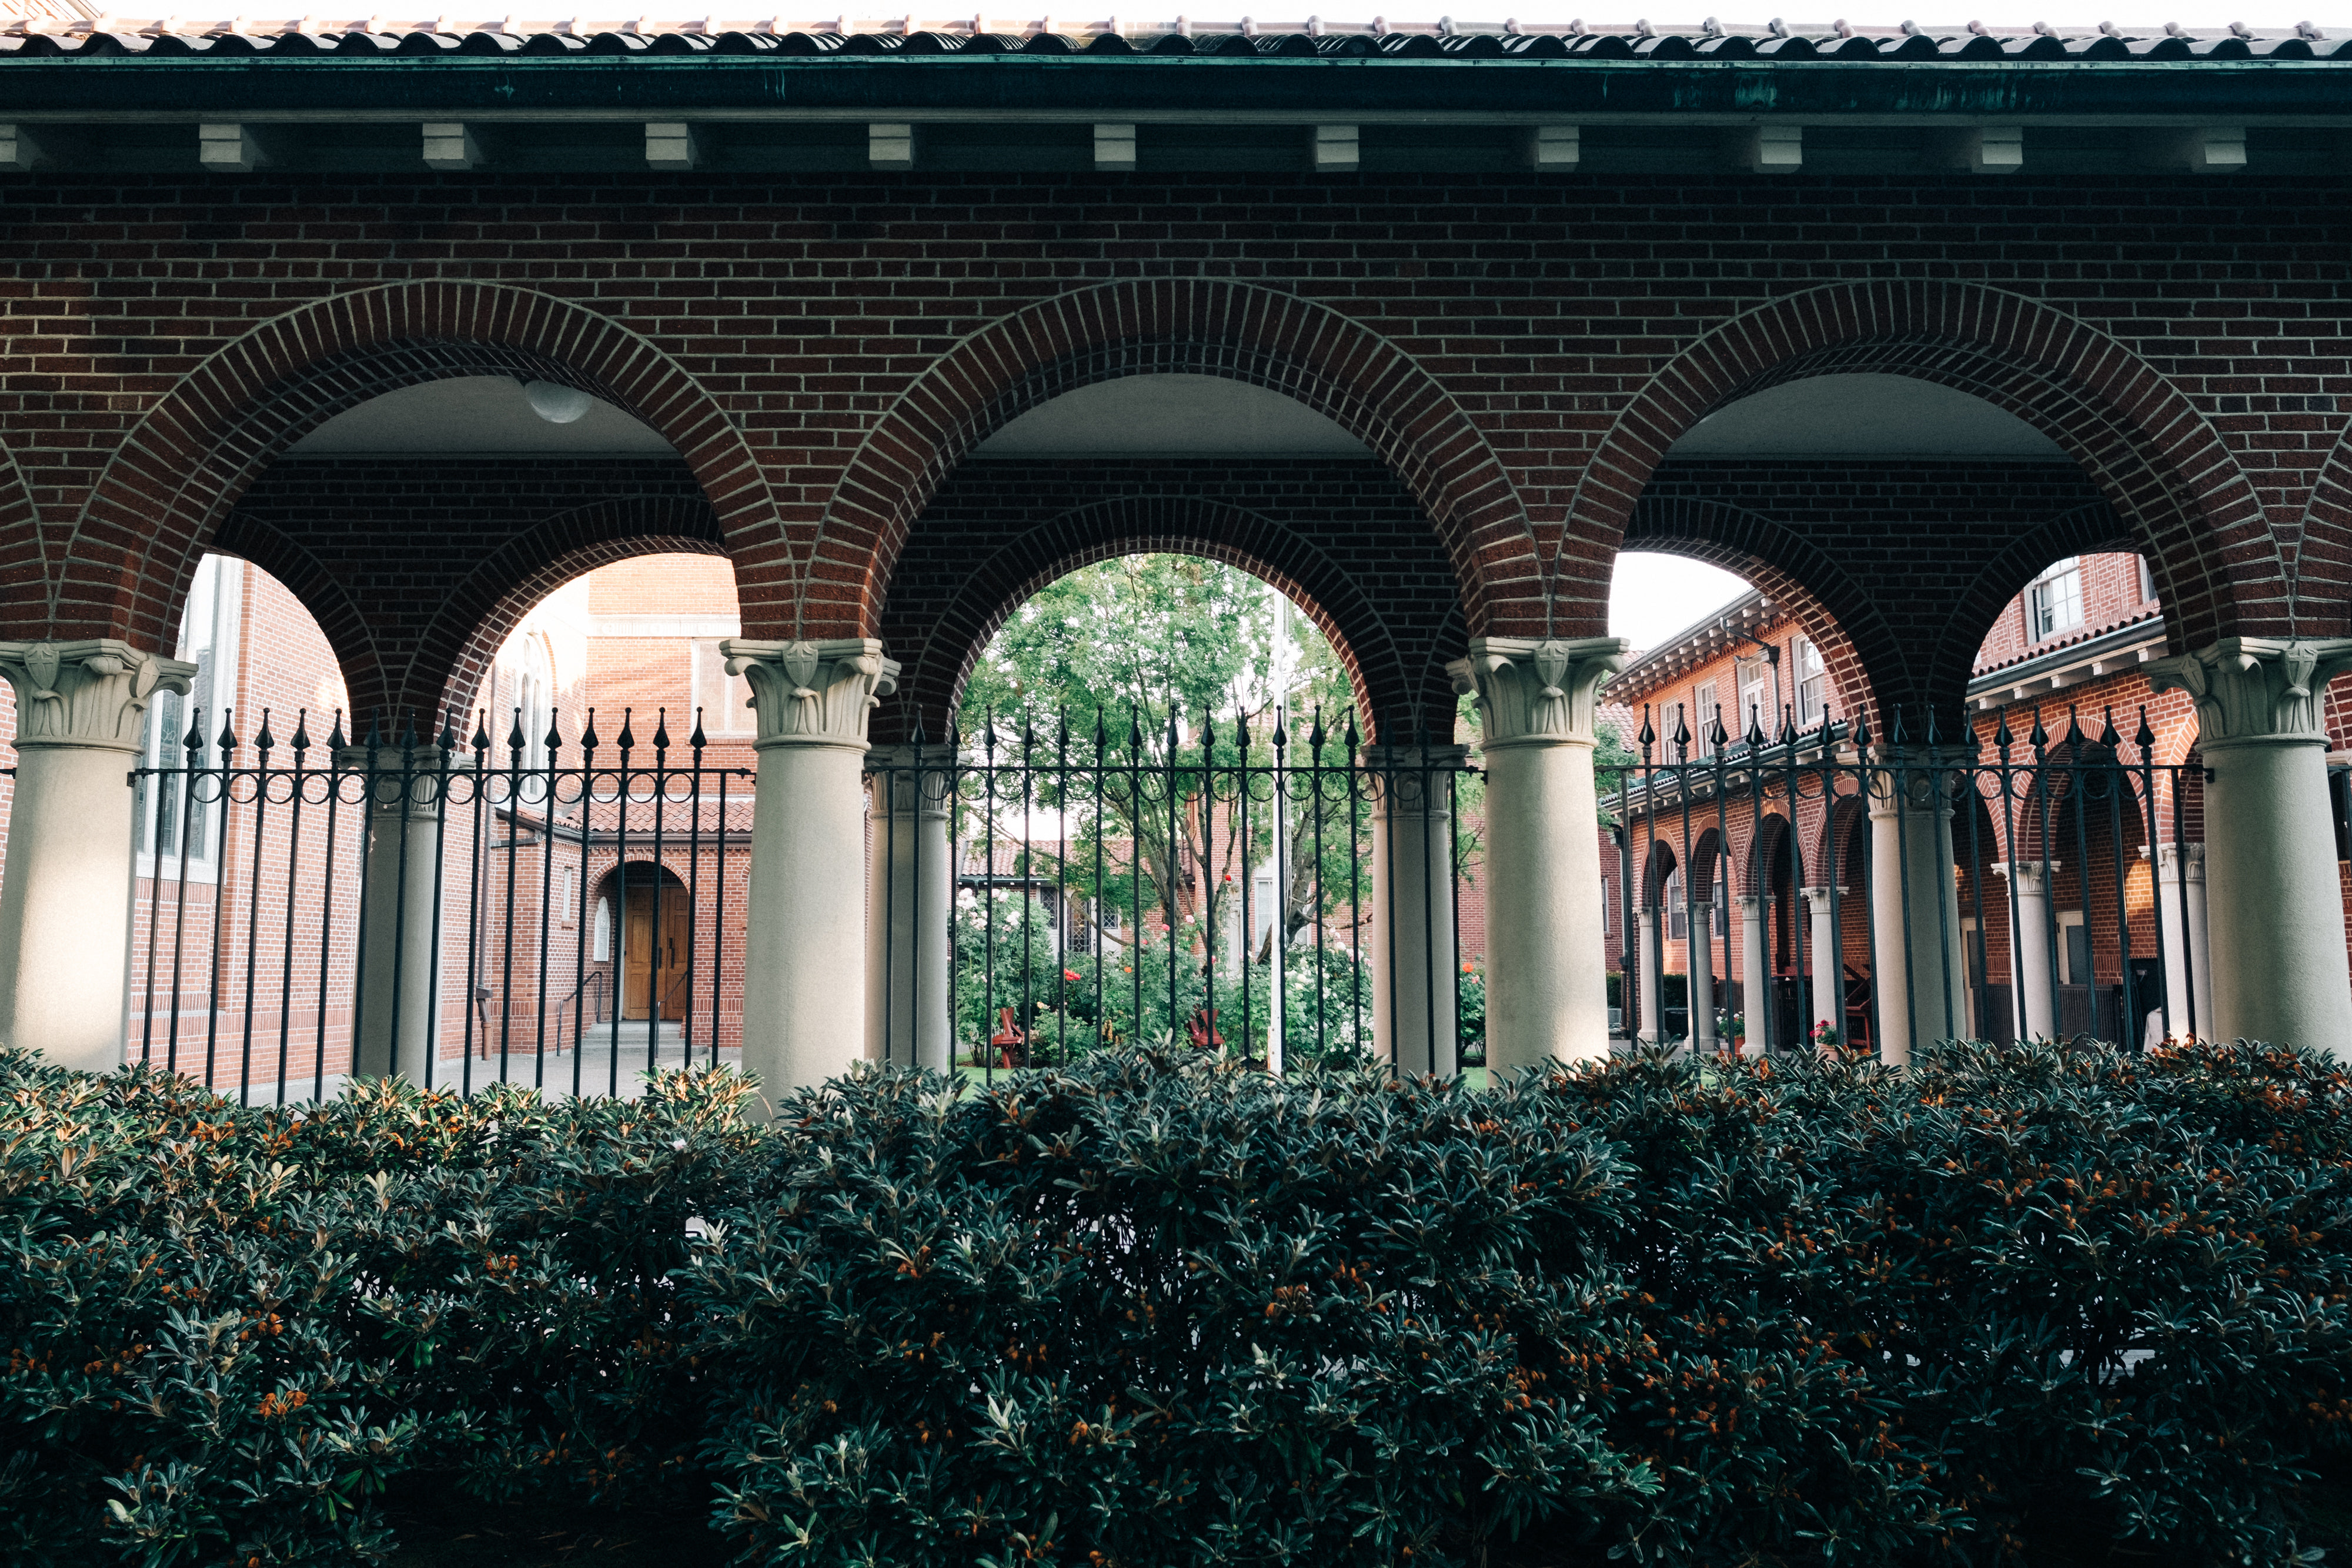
(2147, 580)
(2074, 949)
(1704, 702)
(567, 911)
(531, 701)
(1677, 908)
(1755, 698)
(2054, 604)
(599, 936)
(179, 828)
(1812, 678)
(725, 700)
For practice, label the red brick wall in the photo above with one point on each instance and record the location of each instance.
(822, 350)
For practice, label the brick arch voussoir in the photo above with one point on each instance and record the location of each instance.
(452, 657)
(341, 619)
(2078, 530)
(1845, 822)
(164, 492)
(1363, 382)
(2158, 460)
(24, 552)
(1657, 865)
(1867, 661)
(1380, 671)
(1773, 832)
(2323, 580)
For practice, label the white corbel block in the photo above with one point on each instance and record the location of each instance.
(890, 145)
(2208, 149)
(1335, 149)
(450, 145)
(21, 150)
(1556, 149)
(228, 149)
(1114, 149)
(670, 144)
(1989, 148)
(1771, 149)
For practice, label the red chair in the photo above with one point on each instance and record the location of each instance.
(1009, 1040)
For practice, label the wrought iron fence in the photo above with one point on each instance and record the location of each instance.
(1926, 947)
(564, 912)
(556, 915)
(1221, 881)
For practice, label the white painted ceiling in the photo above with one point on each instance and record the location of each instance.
(1863, 416)
(474, 416)
(1167, 416)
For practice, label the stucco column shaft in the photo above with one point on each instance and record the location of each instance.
(1701, 947)
(1415, 1022)
(398, 967)
(1649, 965)
(2028, 946)
(1918, 976)
(910, 886)
(1828, 968)
(1755, 976)
(2186, 1015)
(1547, 986)
(65, 892)
(2276, 907)
(2201, 953)
(804, 939)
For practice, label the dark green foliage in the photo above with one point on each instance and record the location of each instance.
(227, 1329)
(1164, 1316)
(1153, 1312)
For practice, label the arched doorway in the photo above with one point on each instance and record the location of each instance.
(652, 943)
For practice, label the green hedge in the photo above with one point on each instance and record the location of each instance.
(1154, 1311)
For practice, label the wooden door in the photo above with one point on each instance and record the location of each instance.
(652, 968)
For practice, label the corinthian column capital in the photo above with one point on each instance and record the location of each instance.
(1537, 693)
(2254, 690)
(91, 692)
(813, 694)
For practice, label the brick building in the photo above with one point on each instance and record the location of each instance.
(1424, 324)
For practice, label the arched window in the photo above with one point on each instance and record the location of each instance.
(601, 949)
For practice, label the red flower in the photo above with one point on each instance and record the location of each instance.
(1069, 974)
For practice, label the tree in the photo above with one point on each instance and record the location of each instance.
(1167, 668)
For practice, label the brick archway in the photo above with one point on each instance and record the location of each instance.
(1785, 569)
(2321, 594)
(441, 665)
(124, 565)
(1391, 674)
(1883, 655)
(2155, 458)
(1305, 351)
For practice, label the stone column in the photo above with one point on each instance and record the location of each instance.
(1918, 978)
(2185, 1016)
(1701, 950)
(2277, 911)
(65, 892)
(1653, 962)
(1547, 986)
(1755, 975)
(2028, 946)
(397, 1001)
(910, 890)
(804, 945)
(1829, 967)
(1415, 1024)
